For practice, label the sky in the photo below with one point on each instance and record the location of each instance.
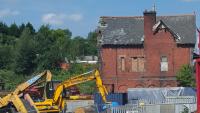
(82, 16)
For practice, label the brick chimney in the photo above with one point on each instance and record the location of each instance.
(149, 22)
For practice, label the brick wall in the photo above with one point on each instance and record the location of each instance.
(155, 46)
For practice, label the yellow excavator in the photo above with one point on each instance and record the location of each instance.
(56, 102)
(54, 97)
(18, 100)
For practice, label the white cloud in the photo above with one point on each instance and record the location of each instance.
(8, 12)
(59, 19)
(52, 18)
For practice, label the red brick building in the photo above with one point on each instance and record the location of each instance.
(145, 51)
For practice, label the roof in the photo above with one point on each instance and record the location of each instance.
(130, 30)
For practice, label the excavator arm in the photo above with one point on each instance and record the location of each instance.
(14, 97)
(56, 103)
(41, 78)
(93, 75)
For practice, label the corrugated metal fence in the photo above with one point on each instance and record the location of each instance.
(171, 105)
(162, 108)
(167, 100)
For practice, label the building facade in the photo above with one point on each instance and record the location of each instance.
(144, 51)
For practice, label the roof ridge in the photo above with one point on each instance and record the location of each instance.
(191, 14)
(121, 16)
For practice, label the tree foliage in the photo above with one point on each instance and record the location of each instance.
(30, 27)
(52, 47)
(185, 76)
(25, 50)
(92, 43)
(7, 76)
(14, 30)
(3, 28)
(6, 56)
(25, 54)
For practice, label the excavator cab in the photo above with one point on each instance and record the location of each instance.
(51, 87)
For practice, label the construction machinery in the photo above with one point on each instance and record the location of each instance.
(54, 94)
(56, 101)
(19, 100)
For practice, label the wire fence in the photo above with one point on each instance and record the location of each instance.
(153, 108)
(184, 104)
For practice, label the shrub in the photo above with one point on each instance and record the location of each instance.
(185, 76)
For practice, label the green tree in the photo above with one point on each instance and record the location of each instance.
(7, 40)
(76, 68)
(92, 43)
(6, 56)
(73, 50)
(68, 33)
(3, 28)
(51, 47)
(78, 46)
(185, 76)
(21, 28)
(14, 30)
(25, 54)
(7, 77)
(30, 27)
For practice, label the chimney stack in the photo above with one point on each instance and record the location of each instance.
(149, 22)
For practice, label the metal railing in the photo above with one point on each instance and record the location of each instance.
(170, 105)
(154, 108)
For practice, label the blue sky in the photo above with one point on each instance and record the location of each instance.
(81, 16)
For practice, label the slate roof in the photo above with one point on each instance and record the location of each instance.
(130, 30)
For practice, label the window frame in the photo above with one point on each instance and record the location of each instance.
(138, 66)
(122, 63)
(164, 65)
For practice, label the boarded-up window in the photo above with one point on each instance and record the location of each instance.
(134, 63)
(122, 61)
(137, 64)
(141, 64)
(163, 64)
